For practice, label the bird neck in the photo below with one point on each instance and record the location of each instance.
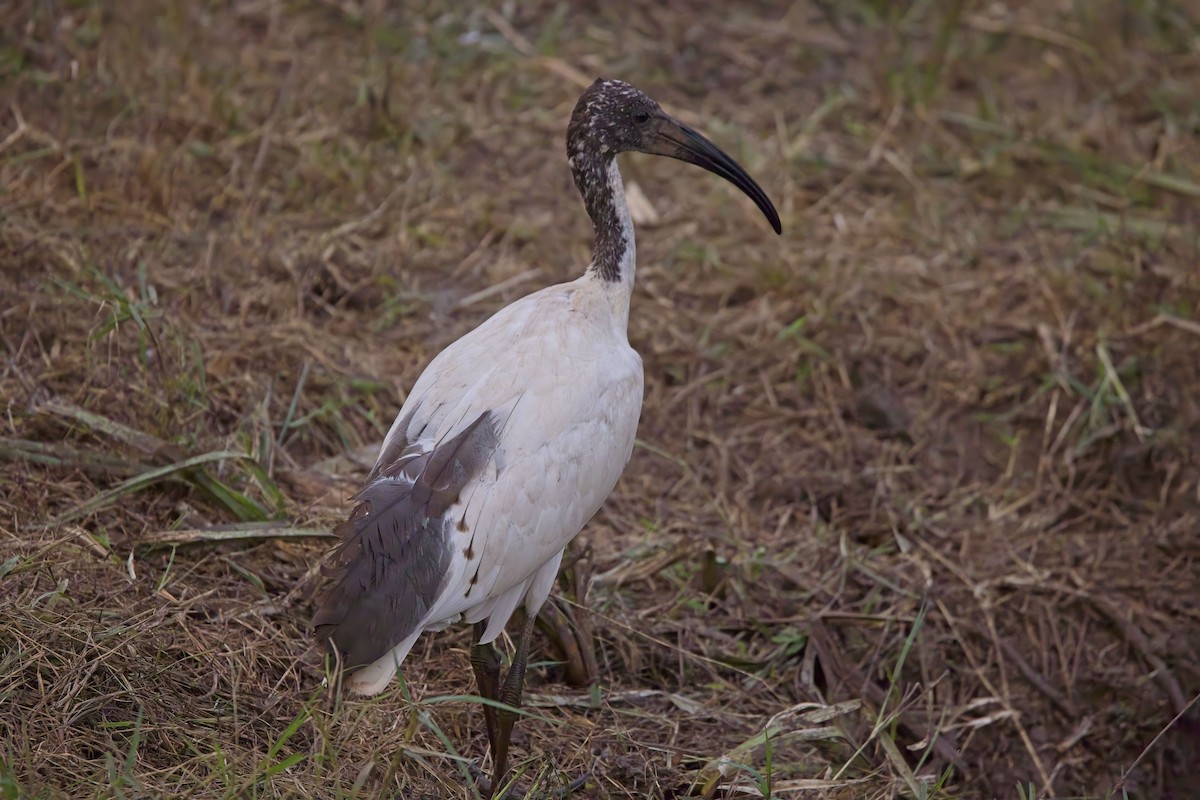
(614, 253)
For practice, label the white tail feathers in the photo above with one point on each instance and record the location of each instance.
(373, 678)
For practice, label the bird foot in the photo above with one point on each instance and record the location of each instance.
(513, 793)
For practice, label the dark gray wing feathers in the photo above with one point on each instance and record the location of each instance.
(390, 567)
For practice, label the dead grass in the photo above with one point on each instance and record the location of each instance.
(916, 504)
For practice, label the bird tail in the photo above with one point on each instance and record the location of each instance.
(373, 678)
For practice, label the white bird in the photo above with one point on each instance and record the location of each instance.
(510, 440)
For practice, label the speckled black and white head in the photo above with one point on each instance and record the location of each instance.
(613, 117)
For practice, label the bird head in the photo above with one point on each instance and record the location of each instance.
(614, 117)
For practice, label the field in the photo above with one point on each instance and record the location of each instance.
(915, 506)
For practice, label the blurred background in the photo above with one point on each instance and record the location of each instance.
(915, 504)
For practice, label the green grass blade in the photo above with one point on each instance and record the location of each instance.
(139, 482)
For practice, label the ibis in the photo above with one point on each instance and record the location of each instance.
(509, 441)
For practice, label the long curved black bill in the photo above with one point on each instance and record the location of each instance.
(674, 139)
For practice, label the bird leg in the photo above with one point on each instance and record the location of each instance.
(486, 664)
(510, 695)
(500, 721)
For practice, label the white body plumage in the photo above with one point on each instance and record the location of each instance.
(557, 371)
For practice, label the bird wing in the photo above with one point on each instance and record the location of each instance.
(395, 548)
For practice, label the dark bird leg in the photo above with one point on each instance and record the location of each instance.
(500, 722)
(510, 695)
(486, 664)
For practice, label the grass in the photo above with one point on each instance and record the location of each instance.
(913, 505)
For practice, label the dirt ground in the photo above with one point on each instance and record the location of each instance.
(915, 509)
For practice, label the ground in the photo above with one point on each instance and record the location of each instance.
(915, 506)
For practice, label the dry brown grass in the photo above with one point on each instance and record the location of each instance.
(918, 488)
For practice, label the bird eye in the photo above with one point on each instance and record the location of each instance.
(642, 116)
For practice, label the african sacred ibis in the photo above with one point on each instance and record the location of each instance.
(510, 440)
